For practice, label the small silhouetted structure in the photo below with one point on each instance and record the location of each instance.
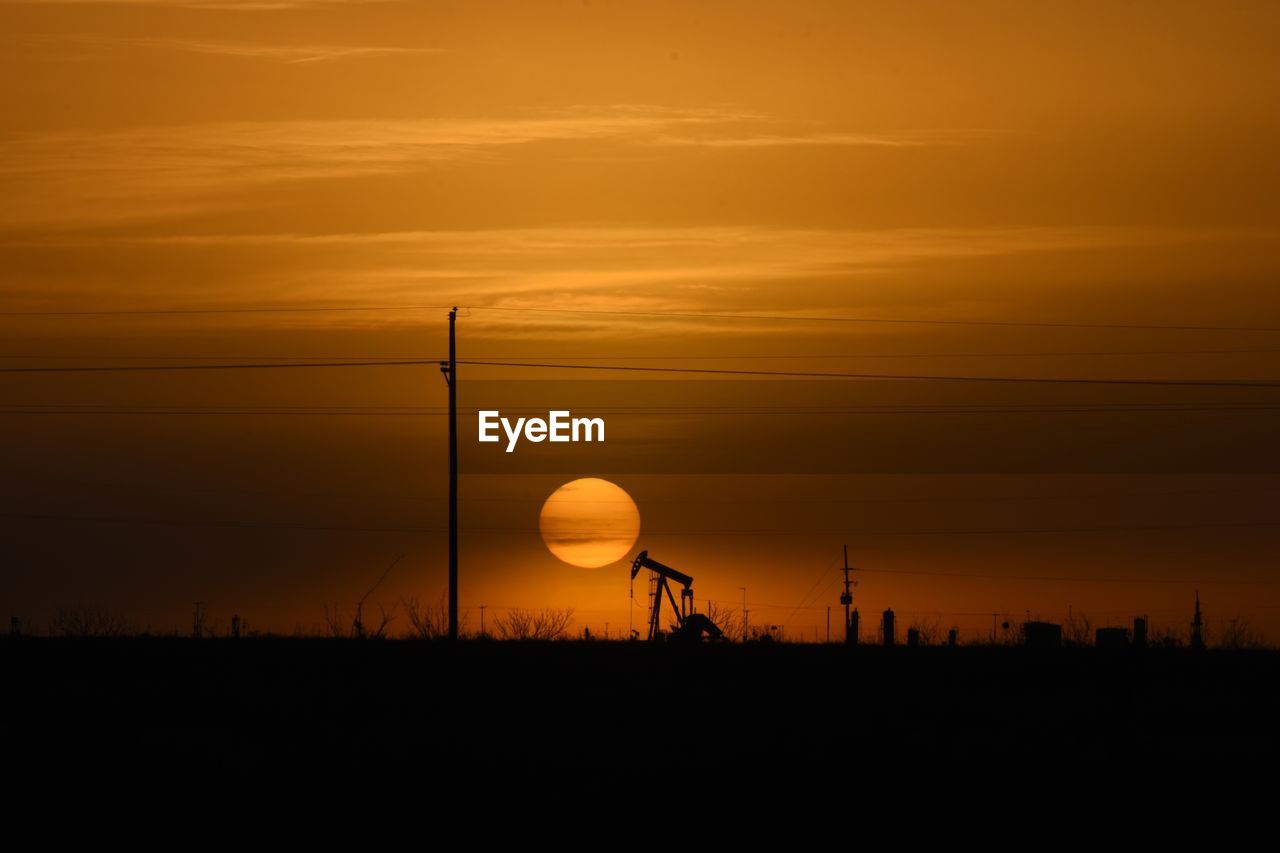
(953, 637)
(1111, 638)
(888, 627)
(1140, 632)
(15, 626)
(854, 622)
(1197, 627)
(913, 638)
(235, 626)
(1042, 635)
(197, 619)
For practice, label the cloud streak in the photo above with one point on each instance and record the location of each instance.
(292, 54)
(147, 173)
(226, 5)
(612, 268)
(914, 139)
(151, 172)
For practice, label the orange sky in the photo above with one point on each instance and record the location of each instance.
(1058, 163)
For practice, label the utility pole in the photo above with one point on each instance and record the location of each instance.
(450, 370)
(197, 620)
(828, 623)
(745, 634)
(482, 607)
(846, 598)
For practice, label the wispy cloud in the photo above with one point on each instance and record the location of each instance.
(691, 269)
(673, 268)
(230, 5)
(287, 53)
(146, 173)
(139, 173)
(912, 139)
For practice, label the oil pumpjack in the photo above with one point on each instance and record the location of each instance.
(690, 625)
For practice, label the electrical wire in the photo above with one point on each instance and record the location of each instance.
(30, 516)
(796, 374)
(788, 318)
(665, 357)
(1199, 383)
(699, 315)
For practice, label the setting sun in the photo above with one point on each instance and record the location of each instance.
(589, 523)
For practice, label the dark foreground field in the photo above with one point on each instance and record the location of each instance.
(589, 711)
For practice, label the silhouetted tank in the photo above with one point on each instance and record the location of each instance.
(1041, 635)
(1111, 638)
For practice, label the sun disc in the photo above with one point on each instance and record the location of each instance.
(589, 523)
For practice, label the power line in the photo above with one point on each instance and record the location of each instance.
(701, 315)
(804, 599)
(285, 412)
(796, 374)
(1210, 383)
(666, 357)
(813, 597)
(146, 368)
(767, 500)
(888, 320)
(140, 312)
(696, 408)
(1000, 354)
(686, 532)
(1067, 578)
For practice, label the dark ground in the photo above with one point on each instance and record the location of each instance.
(588, 711)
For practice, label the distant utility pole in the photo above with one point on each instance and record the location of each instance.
(482, 607)
(197, 620)
(828, 623)
(745, 611)
(450, 370)
(846, 598)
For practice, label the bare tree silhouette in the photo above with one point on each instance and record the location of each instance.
(1078, 630)
(385, 618)
(521, 624)
(1236, 634)
(89, 622)
(765, 633)
(345, 625)
(429, 622)
(1168, 638)
(727, 619)
(335, 624)
(930, 630)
